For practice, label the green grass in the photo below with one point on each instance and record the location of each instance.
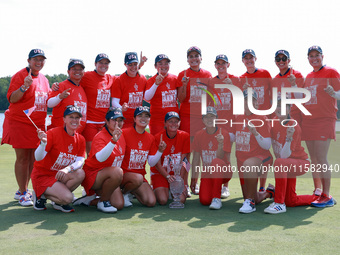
(160, 230)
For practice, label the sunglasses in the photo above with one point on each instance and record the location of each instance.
(278, 59)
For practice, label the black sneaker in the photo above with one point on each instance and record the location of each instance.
(39, 204)
(63, 208)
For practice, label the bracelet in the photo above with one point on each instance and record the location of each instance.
(113, 142)
(168, 176)
(22, 89)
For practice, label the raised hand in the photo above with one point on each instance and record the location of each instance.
(329, 89)
(291, 77)
(116, 133)
(290, 132)
(28, 80)
(143, 59)
(246, 85)
(185, 79)
(65, 94)
(159, 79)
(162, 145)
(219, 137)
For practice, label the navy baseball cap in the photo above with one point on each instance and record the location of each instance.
(248, 51)
(211, 110)
(161, 57)
(283, 52)
(314, 47)
(140, 109)
(114, 113)
(245, 94)
(130, 57)
(222, 57)
(101, 56)
(36, 52)
(195, 49)
(74, 61)
(171, 115)
(72, 109)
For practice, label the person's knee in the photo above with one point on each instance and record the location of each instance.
(162, 200)
(66, 198)
(80, 175)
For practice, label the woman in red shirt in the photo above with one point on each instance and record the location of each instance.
(161, 91)
(59, 159)
(318, 129)
(28, 91)
(286, 142)
(140, 147)
(103, 166)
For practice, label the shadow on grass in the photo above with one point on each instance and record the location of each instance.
(198, 216)
(194, 215)
(12, 213)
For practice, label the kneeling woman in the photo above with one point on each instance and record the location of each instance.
(140, 147)
(59, 158)
(102, 168)
(286, 141)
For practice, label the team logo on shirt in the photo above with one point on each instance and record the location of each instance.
(210, 145)
(136, 87)
(80, 97)
(278, 136)
(140, 145)
(40, 101)
(70, 148)
(63, 161)
(312, 81)
(103, 84)
(254, 82)
(172, 148)
(167, 85)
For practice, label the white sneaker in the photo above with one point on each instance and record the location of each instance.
(106, 207)
(225, 193)
(25, 199)
(275, 208)
(248, 206)
(188, 191)
(317, 192)
(216, 204)
(127, 202)
(83, 192)
(85, 200)
(197, 189)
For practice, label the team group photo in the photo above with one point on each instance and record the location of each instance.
(165, 133)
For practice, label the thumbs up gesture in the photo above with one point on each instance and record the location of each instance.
(329, 89)
(219, 137)
(291, 77)
(162, 145)
(246, 85)
(28, 80)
